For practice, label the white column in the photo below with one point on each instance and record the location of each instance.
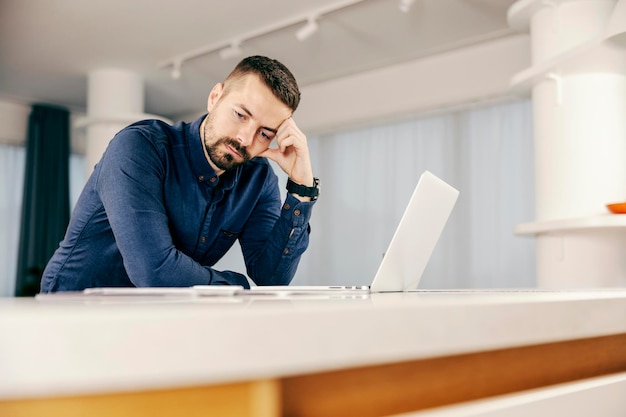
(578, 84)
(115, 100)
(111, 93)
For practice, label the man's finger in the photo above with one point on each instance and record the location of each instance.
(286, 142)
(271, 153)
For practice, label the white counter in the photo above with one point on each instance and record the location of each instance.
(79, 345)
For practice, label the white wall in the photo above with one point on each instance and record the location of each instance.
(446, 80)
(13, 122)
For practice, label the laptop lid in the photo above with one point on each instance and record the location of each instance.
(417, 234)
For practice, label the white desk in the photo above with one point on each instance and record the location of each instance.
(299, 356)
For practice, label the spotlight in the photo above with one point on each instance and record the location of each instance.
(405, 5)
(232, 51)
(176, 70)
(307, 30)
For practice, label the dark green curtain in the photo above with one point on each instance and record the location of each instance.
(46, 201)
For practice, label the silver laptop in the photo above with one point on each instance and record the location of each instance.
(410, 248)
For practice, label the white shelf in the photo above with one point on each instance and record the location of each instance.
(527, 78)
(519, 14)
(606, 221)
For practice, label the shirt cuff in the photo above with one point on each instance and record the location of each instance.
(296, 212)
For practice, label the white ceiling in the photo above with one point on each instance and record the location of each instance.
(47, 47)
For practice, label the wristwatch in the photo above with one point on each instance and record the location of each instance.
(303, 190)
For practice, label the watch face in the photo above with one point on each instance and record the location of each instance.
(314, 191)
(316, 184)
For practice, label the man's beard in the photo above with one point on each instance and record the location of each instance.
(221, 158)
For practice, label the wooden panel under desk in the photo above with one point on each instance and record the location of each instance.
(247, 399)
(378, 390)
(409, 386)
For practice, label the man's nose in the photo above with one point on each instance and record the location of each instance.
(246, 135)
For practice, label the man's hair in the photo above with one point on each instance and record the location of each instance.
(274, 74)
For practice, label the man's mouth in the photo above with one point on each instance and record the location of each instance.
(233, 151)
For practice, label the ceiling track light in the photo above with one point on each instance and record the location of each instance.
(232, 48)
(232, 51)
(308, 29)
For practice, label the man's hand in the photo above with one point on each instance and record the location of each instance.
(292, 153)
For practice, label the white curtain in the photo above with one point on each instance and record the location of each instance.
(12, 159)
(368, 176)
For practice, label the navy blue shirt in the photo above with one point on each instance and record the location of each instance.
(154, 213)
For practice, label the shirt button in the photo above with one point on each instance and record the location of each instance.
(286, 252)
(296, 212)
(203, 239)
(286, 206)
(213, 179)
(201, 178)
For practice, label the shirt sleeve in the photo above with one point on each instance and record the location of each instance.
(272, 249)
(130, 185)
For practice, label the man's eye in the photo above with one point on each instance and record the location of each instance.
(265, 135)
(240, 115)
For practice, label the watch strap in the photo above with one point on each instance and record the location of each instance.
(303, 190)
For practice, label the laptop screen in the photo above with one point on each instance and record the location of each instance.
(416, 236)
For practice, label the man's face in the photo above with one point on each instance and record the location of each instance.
(242, 121)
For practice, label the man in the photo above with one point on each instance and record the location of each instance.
(165, 203)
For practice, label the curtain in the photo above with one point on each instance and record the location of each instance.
(11, 188)
(45, 200)
(368, 176)
(12, 160)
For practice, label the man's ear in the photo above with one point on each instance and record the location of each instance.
(214, 95)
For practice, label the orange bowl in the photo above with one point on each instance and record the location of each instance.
(617, 208)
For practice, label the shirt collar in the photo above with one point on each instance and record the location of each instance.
(201, 167)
